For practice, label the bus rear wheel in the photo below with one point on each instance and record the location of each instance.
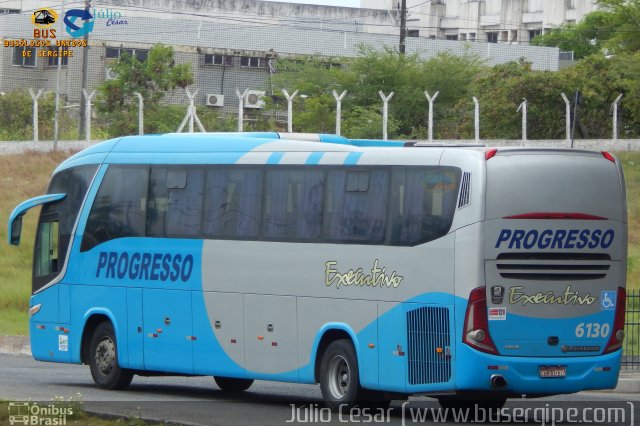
(229, 384)
(339, 377)
(103, 359)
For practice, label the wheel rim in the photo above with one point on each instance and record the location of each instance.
(339, 377)
(105, 355)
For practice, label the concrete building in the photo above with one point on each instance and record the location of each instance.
(493, 21)
(240, 49)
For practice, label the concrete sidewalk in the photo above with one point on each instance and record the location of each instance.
(629, 381)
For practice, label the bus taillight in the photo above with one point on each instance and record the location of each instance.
(617, 336)
(608, 156)
(476, 326)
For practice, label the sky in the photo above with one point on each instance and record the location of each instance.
(345, 3)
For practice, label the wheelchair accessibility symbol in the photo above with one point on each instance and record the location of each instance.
(608, 300)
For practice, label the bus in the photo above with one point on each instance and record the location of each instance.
(376, 269)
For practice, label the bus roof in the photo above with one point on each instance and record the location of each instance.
(271, 148)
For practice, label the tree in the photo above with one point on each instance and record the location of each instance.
(153, 79)
(586, 38)
(408, 76)
(625, 31)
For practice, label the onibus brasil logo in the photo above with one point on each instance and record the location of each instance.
(33, 413)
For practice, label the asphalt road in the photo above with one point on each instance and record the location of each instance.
(198, 401)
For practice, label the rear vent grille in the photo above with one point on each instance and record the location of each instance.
(429, 345)
(465, 190)
(553, 266)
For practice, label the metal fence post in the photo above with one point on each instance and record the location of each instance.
(241, 97)
(289, 108)
(87, 128)
(567, 113)
(338, 110)
(385, 112)
(431, 100)
(35, 97)
(140, 113)
(476, 119)
(523, 107)
(191, 115)
(615, 116)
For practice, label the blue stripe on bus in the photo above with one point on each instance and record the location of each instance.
(314, 158)
(275, 158)
(352, 158)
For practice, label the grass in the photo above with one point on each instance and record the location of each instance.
(21, 177)
(26, 175)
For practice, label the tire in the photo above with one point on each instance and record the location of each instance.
(103, 359)
(229, 384)
(339, 377)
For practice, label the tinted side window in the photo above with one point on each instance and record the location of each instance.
(175, 202)
(232, 203)
(293, 204)
(423, 203)
(57, 221)
(356, 206)
(119, 209)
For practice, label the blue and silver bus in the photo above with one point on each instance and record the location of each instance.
(376, 269)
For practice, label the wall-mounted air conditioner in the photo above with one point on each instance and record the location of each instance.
(215, 100)
(254, 99)
(110, 74)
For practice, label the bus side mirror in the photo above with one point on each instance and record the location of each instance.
(16, 230)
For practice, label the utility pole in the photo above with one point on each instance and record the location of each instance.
(403, 26)
(83, 83)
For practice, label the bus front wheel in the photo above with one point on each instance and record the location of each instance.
(229, 384)
(103, 359)
(339, 377)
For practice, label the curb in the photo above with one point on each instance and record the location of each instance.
(627, 385)
(15, 345)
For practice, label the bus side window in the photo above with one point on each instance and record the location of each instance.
(175, 202)
(119, 209)
(422, 204)
(57, 221)
(232, 204)
(356, 206)
(47, 248)
(293, 204)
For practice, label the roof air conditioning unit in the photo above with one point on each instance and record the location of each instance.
(110, 74)
(254, 99)
(215, 100)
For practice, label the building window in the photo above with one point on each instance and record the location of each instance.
(492, 37)
(471, 37)
(413, 33)
(52, 61)
(247, 61)
(210, 59)
(534, 33)
(115, 53)
(24, 57)
(452, 37)
(112, 53)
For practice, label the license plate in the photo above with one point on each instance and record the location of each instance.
(552, 371)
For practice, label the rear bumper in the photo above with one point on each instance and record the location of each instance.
(522, 375)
